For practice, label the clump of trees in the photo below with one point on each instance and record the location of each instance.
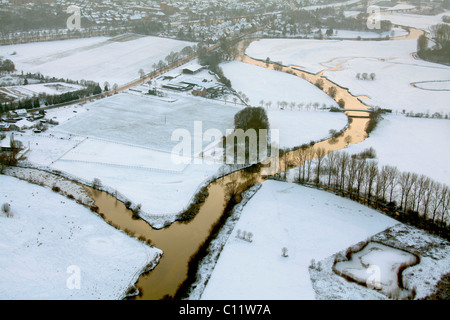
(319, 84)
(375, 117)
(440, 53)
(9, 158)
(213, 58)
(249, 121)
(407, 196)
(251, 118)
(366, 76)
(7, 66)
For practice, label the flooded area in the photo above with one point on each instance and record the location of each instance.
(182, 240)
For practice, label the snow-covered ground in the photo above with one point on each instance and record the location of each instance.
(126, 140)
(263, 86)
(411, 144)
(341, 34)
(33, 90)
(417, 21)
(311, 224)
(148, 121)
(434, 254)
(391, 61)
(54, 248)
(113, 59)
(377, 265)
(316, 228)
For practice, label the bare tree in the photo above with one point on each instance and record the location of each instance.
(415, 192)
(381, 184)
(310, 152)
(342, 163)
(428, 198)
(332, 92)
(438, 198)
(6, 208)
(320, 153)
(361, 174)
(406, 181)
(445, 196)
(300, 158)
(352, 169)
(371, 175)
(96, 183)
(141, 73)
(330, 163)
(392, 179)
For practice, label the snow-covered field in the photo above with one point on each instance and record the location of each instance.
(411, 144)
(31, 90)
(113, 59)
(316, 228)
(53, 248)
(391, 61)
(126, 141)
(149, 121)
(261, 84)
(269, 86)
(311, 224)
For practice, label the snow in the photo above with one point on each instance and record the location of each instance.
(268, 85)
(434, 253)
(417, 21)
(32, 90)
(377, 265)
(147, 121)
(113, 59)
(341, 60)
(411, 144)
(295, 127)
(125, 141)
(50, 241)
(310, 223)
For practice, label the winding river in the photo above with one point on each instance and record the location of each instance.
(181, 240)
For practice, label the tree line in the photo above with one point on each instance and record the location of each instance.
(91, 88)
(440, 52)
(407, 196)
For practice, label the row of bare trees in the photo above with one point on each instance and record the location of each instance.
(359, 177)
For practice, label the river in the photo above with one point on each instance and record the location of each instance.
(181, 240)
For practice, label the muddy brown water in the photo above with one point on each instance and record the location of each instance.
(181, 240)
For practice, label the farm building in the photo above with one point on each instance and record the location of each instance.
(193, 68)
(199, 91)
(178, 86)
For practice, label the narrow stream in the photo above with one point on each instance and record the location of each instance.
(180, 241)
